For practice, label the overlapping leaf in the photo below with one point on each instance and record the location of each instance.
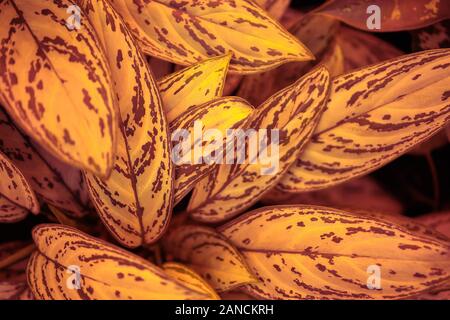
(374, 115)
(440, 221)
(358, 194)
(317, 34)
(276, 8)
(190, 279)
(394, 15)
(72, 265)
(293, 113)
(16, 195)
(210, 255)
(55, 83)
(187, 32)
(219, 115)
(361, 49)
(323, 253)
(192, 86)
(57, 183)
(135, 202)
(432, 37)
(17, 290)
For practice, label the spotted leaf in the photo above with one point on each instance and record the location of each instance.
(55, 83)
(193, 86)
(135, 202)
(210, 255)
(185, 32)
(374, 115)
(285, 123)
(440, 221)
(190, 279)
(72, 265)
(57, 183)
(209, 122)
(393, 15)
(16, 195)
(323, 253)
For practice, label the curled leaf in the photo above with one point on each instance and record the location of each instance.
(189, 278)
(210, 255)
(192, 86)
(16, 195)
(72, 265)
(219, 115)
(323, 253)
(135, 202)
(374, 115)
(57, 183)
(55, 83)
(285, 123)
(194, 31)
(396, 15)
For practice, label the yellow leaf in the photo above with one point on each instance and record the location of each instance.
(189, 278)
(308, 252)
(221, 114)
(56, 182)
(187, 32)
(192, 86)
(135, 202)
(374, 115)
(210, 255)
(16, 195)
(293, 114)
(72, 265)
(55, 83)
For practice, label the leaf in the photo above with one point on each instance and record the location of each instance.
(323, 253)
(135, 202)
(187, 32)
(44, 64)
(362, 49)
(17, 290)
(15, 191)
(210, 255)
(221, 114)
(440, 221)
(192, 86)
(236, 295)
(105, 271)
(293, 112)
(432, 37)
(276, 8)
(57, 183)
(13, 260)
(362, 193)
(394, 15)
(373, 116)
(190, 279)
(317, 33)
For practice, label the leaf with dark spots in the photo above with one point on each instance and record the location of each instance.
(55, 83)
(395, 15)
(286, 120)
(373, 116)
(329, 255)
(204, 28)
(70, 265)
(135, 202)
